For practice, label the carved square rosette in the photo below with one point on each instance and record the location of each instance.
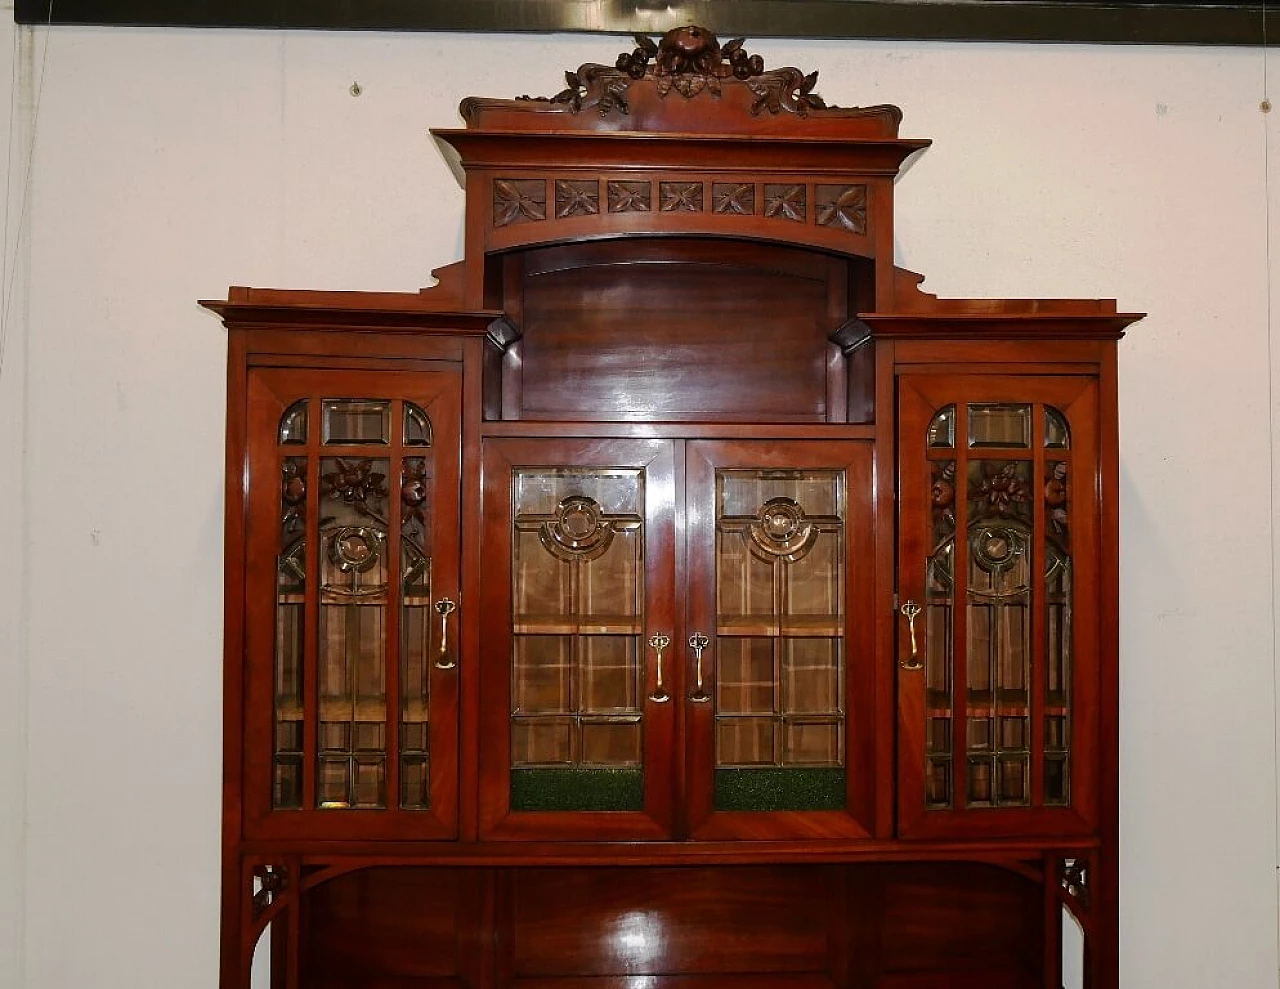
(680, 197)
(577, 197)
(733, 198)
(842, 206)
(630, 197)
(786, 202)
(519, 201)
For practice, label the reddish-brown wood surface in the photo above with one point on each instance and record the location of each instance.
(654, 460)
(857, 819)
(681, 261)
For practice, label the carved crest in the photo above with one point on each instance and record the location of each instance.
(689, 60)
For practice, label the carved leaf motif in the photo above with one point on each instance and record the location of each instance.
(786, 201)
(737, 199)
(683, 197)
(577, 198)
(628, 197)
(512, 201)
(843, 206)
(690, 86)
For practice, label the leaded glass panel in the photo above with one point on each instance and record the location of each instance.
(779, 692)
(577, 617)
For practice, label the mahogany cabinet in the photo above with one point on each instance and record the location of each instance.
(674, 595)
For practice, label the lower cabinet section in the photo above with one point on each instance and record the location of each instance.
(879, 926)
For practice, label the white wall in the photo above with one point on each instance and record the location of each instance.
(13, 64)
(170, 164)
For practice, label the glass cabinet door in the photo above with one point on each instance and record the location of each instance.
(579, 683)
(997, 634)
(777, 654)
(352, 596)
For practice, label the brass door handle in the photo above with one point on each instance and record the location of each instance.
(911, 611)
(658, 643)
(444, 608)
(698, 642)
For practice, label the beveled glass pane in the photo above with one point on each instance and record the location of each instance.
(352, 632)
(293, 424)
(611, 743)
(577, 597)
(368, 736)
(812, 742)
(609, 674)
(978, 791)
(938, 736)
(617, 491)
(942, 429)
(1058, 657)
(745, 742)
(286, 791)
(290, 638)
(370, 782)
(610, 583)
(780, 614)
(1055, 733)
(543, 741)
(1013, 780)
(811, 676)
(417, 427)
(938, 608)
(355, 421)
(813, 585)
(417, 490)
(543, 585)
(745, 679)
(1013, 734)
(745, 593)
(979, 733)
(542, 674)
(333, 785)
(741, 493)
(1057, 434)
(413, 737)
(1057, 780)
(1002, 424)
(334, 736)
(937, 783)
(415, 781)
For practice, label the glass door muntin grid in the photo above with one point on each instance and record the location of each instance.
(779, 663)
(1012, 503)
(342, 463)
(578, 614)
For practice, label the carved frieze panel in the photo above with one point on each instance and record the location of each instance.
(830, 210)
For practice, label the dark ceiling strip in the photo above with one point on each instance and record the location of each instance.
(1113, 22)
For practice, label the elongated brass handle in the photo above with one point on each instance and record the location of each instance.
(911, 611)
(697, 642)
(444, 608)
(658, 643)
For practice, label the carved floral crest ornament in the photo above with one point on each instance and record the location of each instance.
(689, 60)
